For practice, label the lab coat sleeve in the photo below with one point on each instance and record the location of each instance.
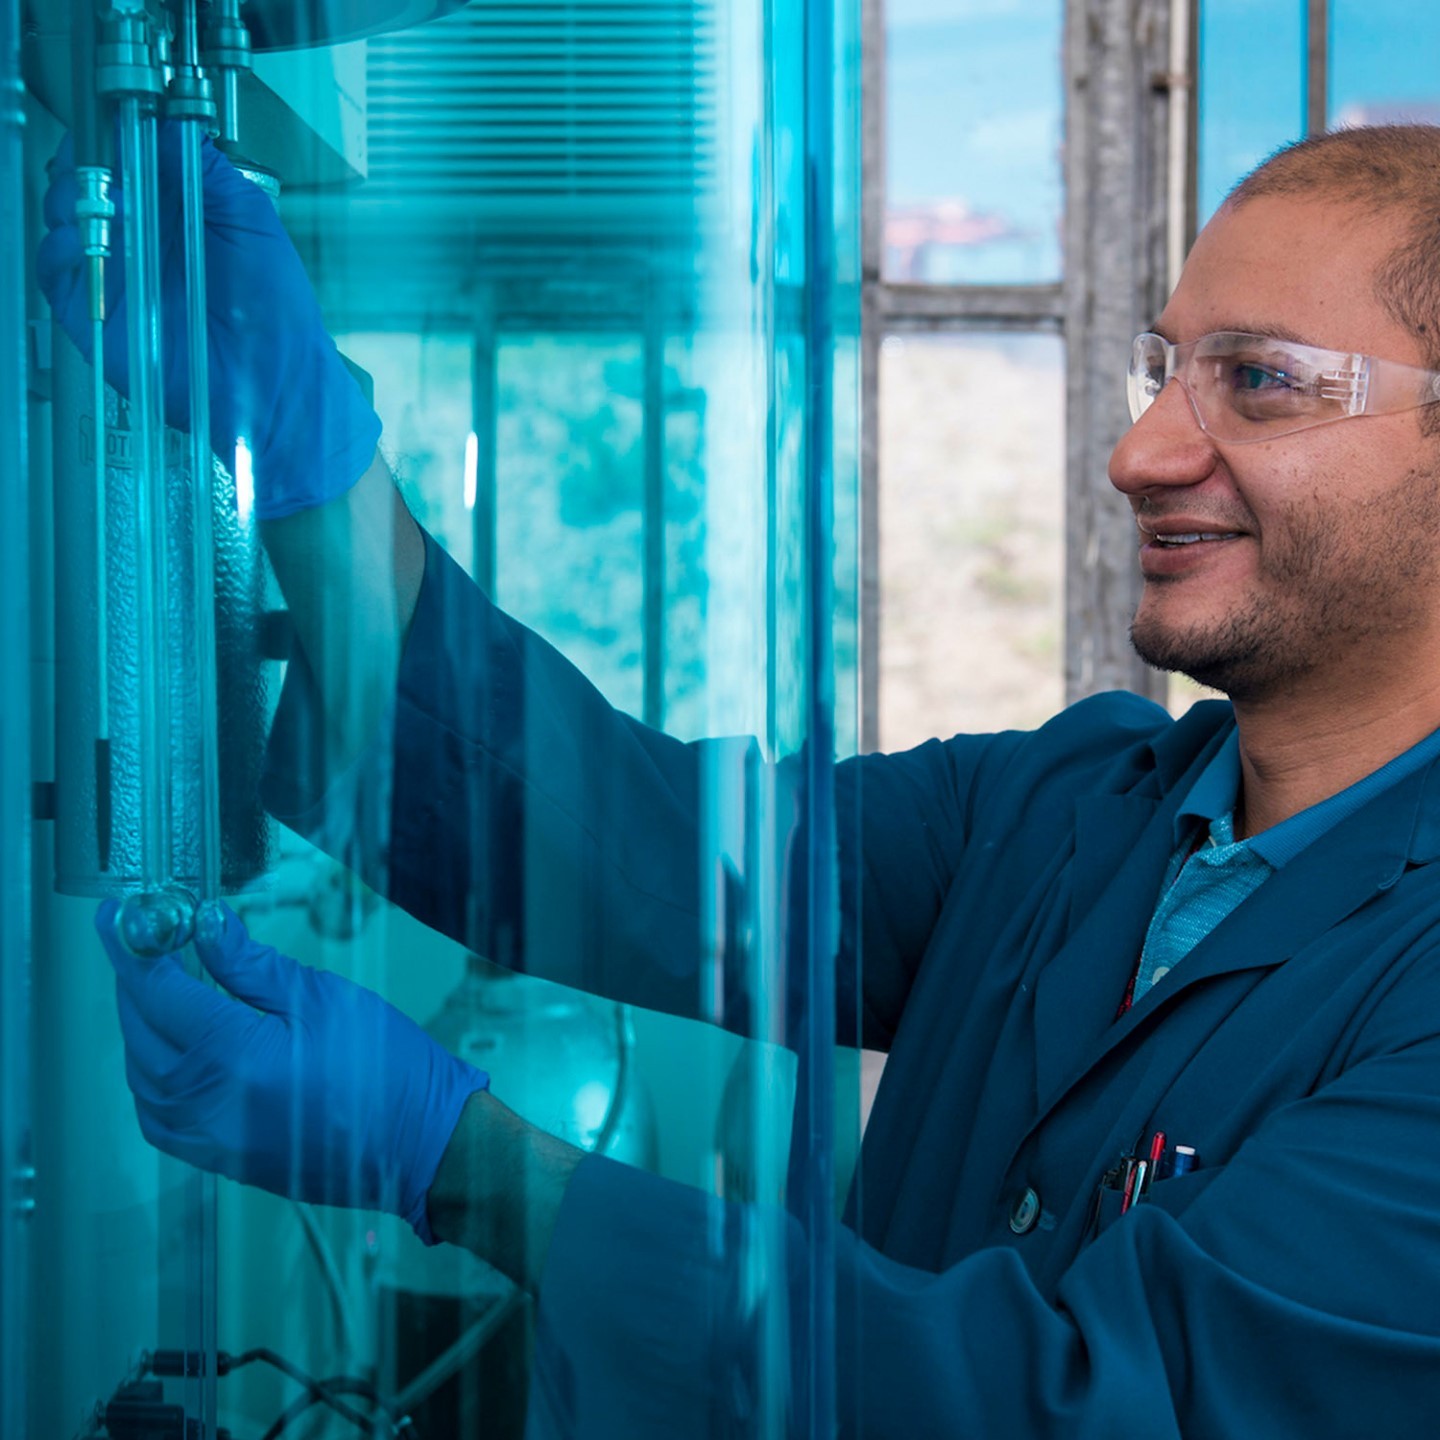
(1289, 1293)
(508, 805)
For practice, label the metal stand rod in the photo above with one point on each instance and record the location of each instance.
(94, 213)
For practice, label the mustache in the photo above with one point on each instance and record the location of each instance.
(1148, 517)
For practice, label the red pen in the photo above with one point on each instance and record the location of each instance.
(1157, 1155)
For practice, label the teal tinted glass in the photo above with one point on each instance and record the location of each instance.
(488, 663)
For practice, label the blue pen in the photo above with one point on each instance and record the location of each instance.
(1185, 1161)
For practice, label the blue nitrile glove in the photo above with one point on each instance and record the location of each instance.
(276, 378)
(304, 1084)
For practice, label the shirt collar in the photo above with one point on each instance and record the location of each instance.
(1214, 791)
(1217, 787)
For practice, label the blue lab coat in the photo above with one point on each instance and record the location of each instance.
(995, 892)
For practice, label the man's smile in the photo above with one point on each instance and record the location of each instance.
(1174, 545)
(1192, 537)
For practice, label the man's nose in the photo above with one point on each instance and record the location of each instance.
(1163, 448)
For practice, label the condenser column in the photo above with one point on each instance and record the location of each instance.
(127, 69)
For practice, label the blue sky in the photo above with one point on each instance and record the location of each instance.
(975, 100)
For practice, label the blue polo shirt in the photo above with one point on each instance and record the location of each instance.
(1202, 886)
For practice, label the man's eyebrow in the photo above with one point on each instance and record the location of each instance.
(1263, 329)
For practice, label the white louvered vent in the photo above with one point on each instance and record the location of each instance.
(550, 115)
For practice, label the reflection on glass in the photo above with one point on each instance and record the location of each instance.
(973, 95)
(972, 539)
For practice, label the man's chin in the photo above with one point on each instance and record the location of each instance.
(1234, 659)
(1207, 659)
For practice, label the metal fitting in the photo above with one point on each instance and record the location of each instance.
(226, 45)
(164, 37)
(94, 209)
(225, 51)
(125, 61)
(190, 96)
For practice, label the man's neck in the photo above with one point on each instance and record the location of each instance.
(1297, 750)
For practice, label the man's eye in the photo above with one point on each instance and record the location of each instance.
(1261, 377)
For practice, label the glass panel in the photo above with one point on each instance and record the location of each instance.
(973, 112)
(496, 905)
(16, 1149)
(972, 534)
(1383, 63)
(422, 385)
(570, 486)
(1252, 90)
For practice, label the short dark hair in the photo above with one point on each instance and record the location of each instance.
(1385, 168)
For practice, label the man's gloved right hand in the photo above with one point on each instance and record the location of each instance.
(292, 1079)
(276, 378)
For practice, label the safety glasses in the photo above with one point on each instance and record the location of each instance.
(1244, 388)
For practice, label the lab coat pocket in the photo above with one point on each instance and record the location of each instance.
(1172, 1196)
(1175, 1195)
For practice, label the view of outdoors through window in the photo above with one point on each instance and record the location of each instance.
(972, 545)
(973, 110)
(971, 426)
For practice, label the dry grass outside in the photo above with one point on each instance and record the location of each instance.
(971, 535)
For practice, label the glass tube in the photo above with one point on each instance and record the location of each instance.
(147, 419)
(202, 499)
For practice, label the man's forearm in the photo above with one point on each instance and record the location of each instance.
(499, 1189)
(350, 572)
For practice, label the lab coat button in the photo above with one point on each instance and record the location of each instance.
(1025, 1211)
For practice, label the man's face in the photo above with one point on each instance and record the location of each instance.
(1328, 548)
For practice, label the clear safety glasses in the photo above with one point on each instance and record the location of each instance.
(1244, 388)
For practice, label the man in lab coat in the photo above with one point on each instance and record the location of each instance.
(1157, 1149)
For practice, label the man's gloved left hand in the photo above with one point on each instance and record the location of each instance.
(303, 1083)
(276, 378)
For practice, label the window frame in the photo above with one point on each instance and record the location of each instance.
(1128, 70)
